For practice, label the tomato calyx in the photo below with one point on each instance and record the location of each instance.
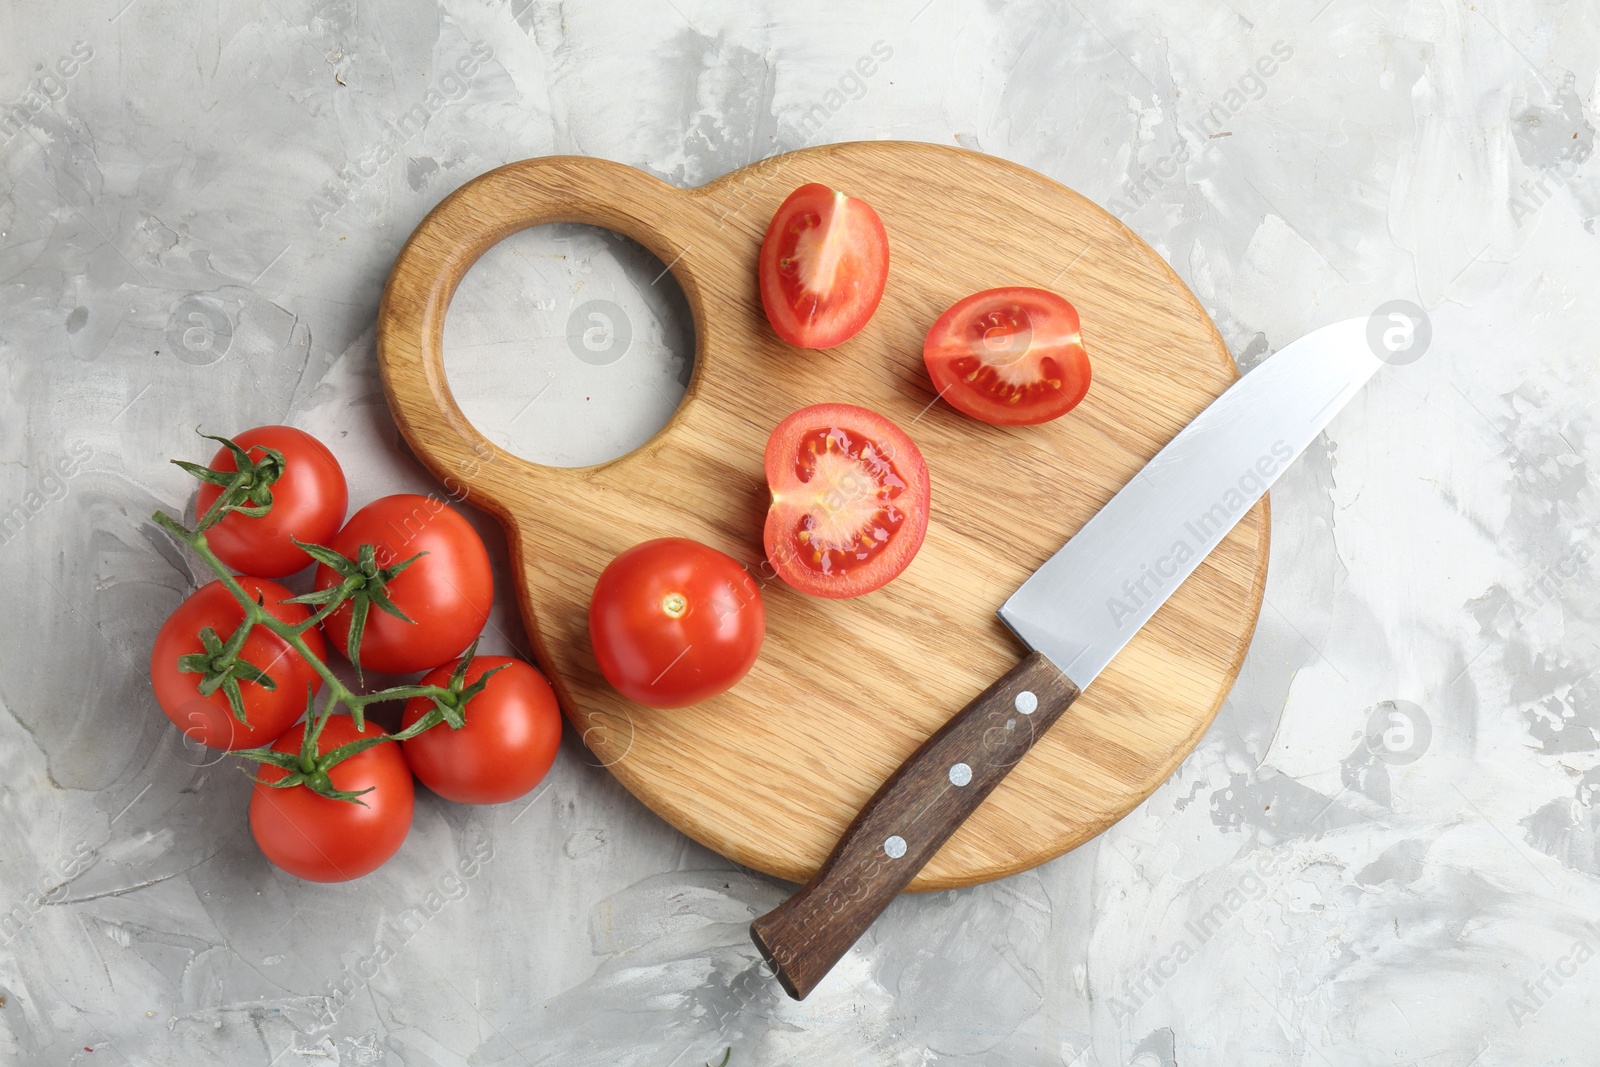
(308, 767)
(247, 490)
(362, 582)
(221, 668)
(449, 701)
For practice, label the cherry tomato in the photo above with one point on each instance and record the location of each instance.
(849, 500)
(674, 622)
(308, 503)
(209, 719)
(823, 265)
(507, 745)
(1010, 357)
(447, 593)
(324, 840)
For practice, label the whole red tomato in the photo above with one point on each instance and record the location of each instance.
(447, 593)
(324, 840)
(674, 622)
(208, 719)
(308, 502)
(509, 740)
(849, 500)
(824, 261)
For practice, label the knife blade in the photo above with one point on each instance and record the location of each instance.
(1074, 614)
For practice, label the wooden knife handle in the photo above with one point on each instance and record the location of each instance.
(907, 820)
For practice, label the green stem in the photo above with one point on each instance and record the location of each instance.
(215, 513)
(432, 718)
(308, 743)
(235, 641)
(291, 634)
(407, 692)
(323, 612)
(255, 614)
(241, 493)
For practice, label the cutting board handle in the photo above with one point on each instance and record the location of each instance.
(907, 820)
(410, 339)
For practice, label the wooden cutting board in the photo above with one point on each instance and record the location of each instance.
(770, 773)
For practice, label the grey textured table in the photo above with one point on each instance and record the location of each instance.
(1384, 851)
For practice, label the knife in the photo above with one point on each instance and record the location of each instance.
(1074, 614)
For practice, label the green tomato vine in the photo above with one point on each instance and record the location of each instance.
(248, 491)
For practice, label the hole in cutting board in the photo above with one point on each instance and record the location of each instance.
(568, 345)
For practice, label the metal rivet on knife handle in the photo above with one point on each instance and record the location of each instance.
(907, 821)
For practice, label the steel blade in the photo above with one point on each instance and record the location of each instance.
(1091, 597)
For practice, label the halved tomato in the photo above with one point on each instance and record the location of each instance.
(824, 262)
(1011, 357)
(849, 500)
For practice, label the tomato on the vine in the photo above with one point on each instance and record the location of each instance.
(1010, 357)
(446, 593)
(511, 733)
(824, 262)
(308, 503)
(849, 500)
(674, 622)
(322, 839)
(209, 719)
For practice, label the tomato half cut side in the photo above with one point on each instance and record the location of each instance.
(1010, 357)
(824, 262)
(849, 500)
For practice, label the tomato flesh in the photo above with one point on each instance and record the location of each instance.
(824, 262)
(324, 840)
(849, 500)
(209, 719)
(674, 622)
(1010, 357)
(504, 748)
(308, 503)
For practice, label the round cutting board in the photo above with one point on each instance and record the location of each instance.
(771, 772)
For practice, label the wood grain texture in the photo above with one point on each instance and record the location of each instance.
(771, 773)
(902, 827)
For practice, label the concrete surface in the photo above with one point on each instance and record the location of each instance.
(1385, 850)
